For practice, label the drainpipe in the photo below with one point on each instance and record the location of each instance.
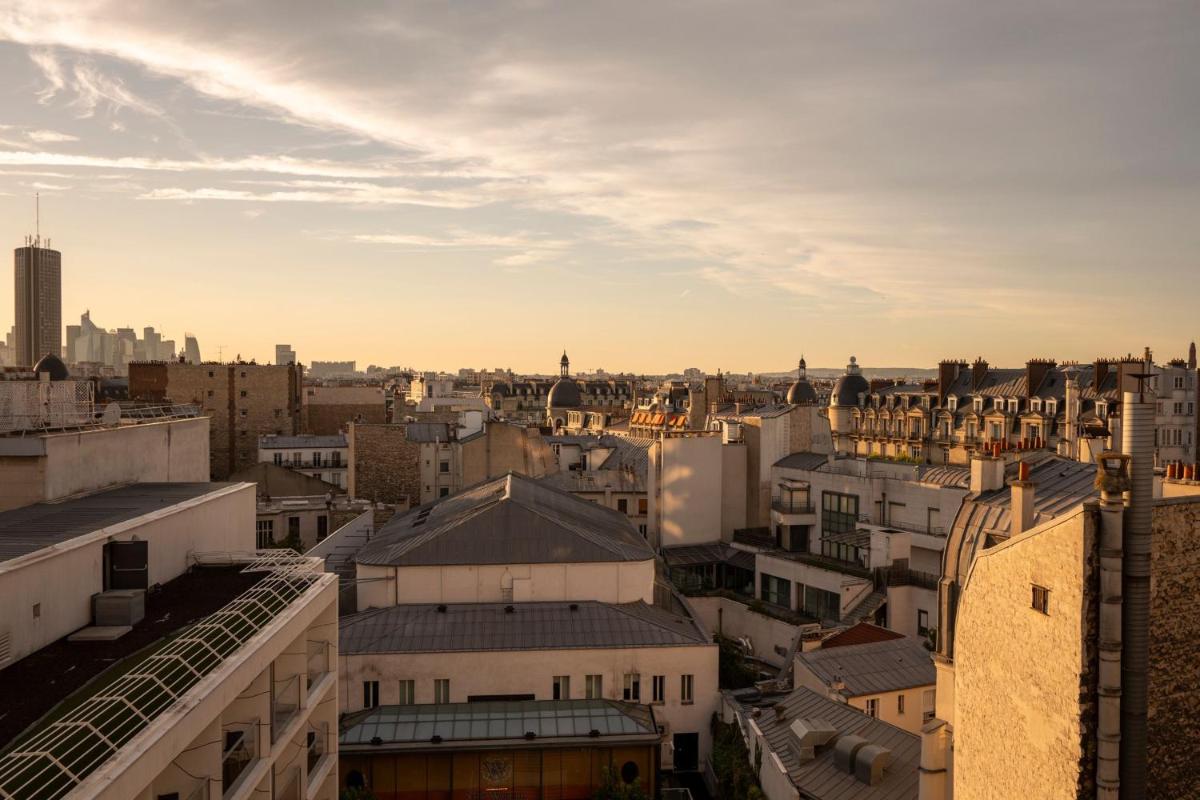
(1137, 442)
(1112, 480)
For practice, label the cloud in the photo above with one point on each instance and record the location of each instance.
(50, 137)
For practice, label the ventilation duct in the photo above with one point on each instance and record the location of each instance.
(870, 762)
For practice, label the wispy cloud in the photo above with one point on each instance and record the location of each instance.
(50, 137)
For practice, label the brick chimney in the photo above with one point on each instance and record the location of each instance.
(1100, 373)
(987, 473)
(1036, 371)
(948, 371)
(978, 373)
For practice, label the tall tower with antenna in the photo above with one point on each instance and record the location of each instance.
(37, 272)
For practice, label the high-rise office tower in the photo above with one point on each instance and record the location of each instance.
(284, 354)
(38, 296)
(191, 349)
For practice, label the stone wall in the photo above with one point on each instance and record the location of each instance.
(1019, 719)
(1174, 705)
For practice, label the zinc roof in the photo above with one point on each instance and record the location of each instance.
(873, 667)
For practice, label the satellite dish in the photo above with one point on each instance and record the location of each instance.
(111, 415)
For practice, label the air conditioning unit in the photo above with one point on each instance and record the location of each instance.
(118, 607)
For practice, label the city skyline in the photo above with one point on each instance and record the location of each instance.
(736, 185)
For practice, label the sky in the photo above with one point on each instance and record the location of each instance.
(651, 186)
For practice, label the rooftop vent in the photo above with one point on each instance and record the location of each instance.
(870, 763)
(846, 751)
(509, 609)
(812, 732)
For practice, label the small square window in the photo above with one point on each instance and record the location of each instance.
(243, 393)
(37, 610)
(1041, 599)
(872, 708)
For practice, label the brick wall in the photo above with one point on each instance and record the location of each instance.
(1173, 699)
(330, 419)
(384, 465)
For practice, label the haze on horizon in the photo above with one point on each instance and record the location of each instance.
(651, 186)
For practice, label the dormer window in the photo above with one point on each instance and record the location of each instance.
(978, 404)
(1051, 407)
(1102, 410)
(1012, 405)
(998, 404)
(952, 403)
(1035, 404)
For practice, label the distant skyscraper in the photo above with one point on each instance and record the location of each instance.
(284, 354)
(38, 296)
(191, 349)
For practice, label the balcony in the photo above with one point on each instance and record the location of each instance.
(239, 752)
(902, 576)
(318, 664)
(285, 702)
(793, 507)
(329, 465)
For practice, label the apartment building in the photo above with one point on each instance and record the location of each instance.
(242, 401)
(326, 458)
(1067, 630)
(556, 593)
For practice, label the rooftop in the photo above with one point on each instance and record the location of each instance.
(819, 777)
(272, 442)
(690, 555)
(32, 528)
(861, 633)
(422, 628)
(872, 667)
(273, 480)
(492, 724)
(34, 685)
(508, 520)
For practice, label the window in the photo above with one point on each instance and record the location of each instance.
(335, 459)
(978, 403)
(210, 392)
(900, 703)
(872, 708)
(839, 512)
(243, 393)
(633, 687)
(922, 622)
(316, 459)
(642, 506)
(642, 530)
(685, 689)
(242, 411)
(623, 505)
(408, 693)
(322, 527)
(444, 491)
(210, 374)
(444, 467)
(265, 533)
(658, 688)
(293, 527)
(776, 591)
(820, 603)
(370, 694)
(441, 690)
(927, 705)
(279, 459)
(562, 687)
(593, 686)
(1041, 599)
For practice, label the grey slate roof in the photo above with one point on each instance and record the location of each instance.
(29, 529)
(271, 442)
(873, 667)
(819, 778)
(509, 520)
(486, 724)
(690, 555)
(467, 627)
(809, 461)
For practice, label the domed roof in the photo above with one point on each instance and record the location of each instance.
(564, 394)
(54, 365)
(847, 388)
(802, 393)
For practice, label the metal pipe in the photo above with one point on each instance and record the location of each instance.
(1137, 441)
(1108, 750)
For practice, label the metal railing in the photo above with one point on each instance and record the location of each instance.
(318, 663)
(902, 576)
(793, 507)
(317, 735)
(285, 703)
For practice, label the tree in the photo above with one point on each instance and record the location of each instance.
(612, 787)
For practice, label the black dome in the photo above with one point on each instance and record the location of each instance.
(801, 393)
(563, 394)
(847, 388)
(52, 364)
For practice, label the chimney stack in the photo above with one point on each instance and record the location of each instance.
(978, 373)
(987, 473)
(1023, 513)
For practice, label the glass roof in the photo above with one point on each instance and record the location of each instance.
(499, 720)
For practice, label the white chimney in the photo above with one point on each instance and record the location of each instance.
(1023, 513)
(987, 473)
